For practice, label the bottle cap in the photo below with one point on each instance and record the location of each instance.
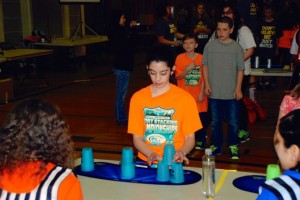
(208, 151)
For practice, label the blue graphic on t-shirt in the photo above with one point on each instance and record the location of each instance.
(160, 126)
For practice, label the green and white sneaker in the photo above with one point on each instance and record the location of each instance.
(215, 151)
(199, 146)
(234, 152)
(243, 136)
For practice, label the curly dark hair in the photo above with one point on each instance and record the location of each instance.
(35, 131)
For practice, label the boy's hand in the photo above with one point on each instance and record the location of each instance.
(238, 94)
(207, 91)
(191, 66)
(153, 157)
(181, 157)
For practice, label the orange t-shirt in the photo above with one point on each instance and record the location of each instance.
(22, 181)
(167, 117)
(192, 82)
(285, 41)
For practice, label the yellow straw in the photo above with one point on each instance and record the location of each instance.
(222, 180)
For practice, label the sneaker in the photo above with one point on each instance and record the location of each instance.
(234, 152)
(215, 150)
(243, 136)
(200, 146)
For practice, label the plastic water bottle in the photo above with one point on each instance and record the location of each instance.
(208, 173)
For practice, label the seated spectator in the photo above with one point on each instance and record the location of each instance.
(36, 154)
(287, 146)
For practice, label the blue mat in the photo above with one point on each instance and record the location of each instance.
(109, 171)
(249, 183)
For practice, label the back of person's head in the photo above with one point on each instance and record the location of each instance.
(35, 131)
(289, 128)
(226, 20)
(160, 54)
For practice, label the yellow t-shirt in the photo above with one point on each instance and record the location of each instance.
(192, 83)
(168, 117)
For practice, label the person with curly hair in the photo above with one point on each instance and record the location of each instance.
(36, 154)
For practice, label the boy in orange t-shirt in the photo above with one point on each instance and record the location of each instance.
(189, 75)
(162, 113)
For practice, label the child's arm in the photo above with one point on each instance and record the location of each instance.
(201, 95)
(238, 89)
(163, 40)
(179, 35)
(248, 53)
(189, 143)
(186, 70)
(207, 88)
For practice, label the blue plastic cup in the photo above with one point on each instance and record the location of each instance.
(169, 152)
(176, 173)
(127, 155)
(87, 160)
(127, 170)
(163, 172)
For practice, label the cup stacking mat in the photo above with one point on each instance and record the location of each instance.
(110, 171)
(249, 183)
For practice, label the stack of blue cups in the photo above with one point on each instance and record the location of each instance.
(87, 160)
(163, 172)
(168, 170)
(177, 173)
(127, 164)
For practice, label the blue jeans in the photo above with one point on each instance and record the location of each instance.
(122, 81)
(200, 135)
(221, 110)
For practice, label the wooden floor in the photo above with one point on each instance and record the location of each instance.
(88, 106)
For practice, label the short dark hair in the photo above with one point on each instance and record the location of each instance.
(226, 20)
(190, 36)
